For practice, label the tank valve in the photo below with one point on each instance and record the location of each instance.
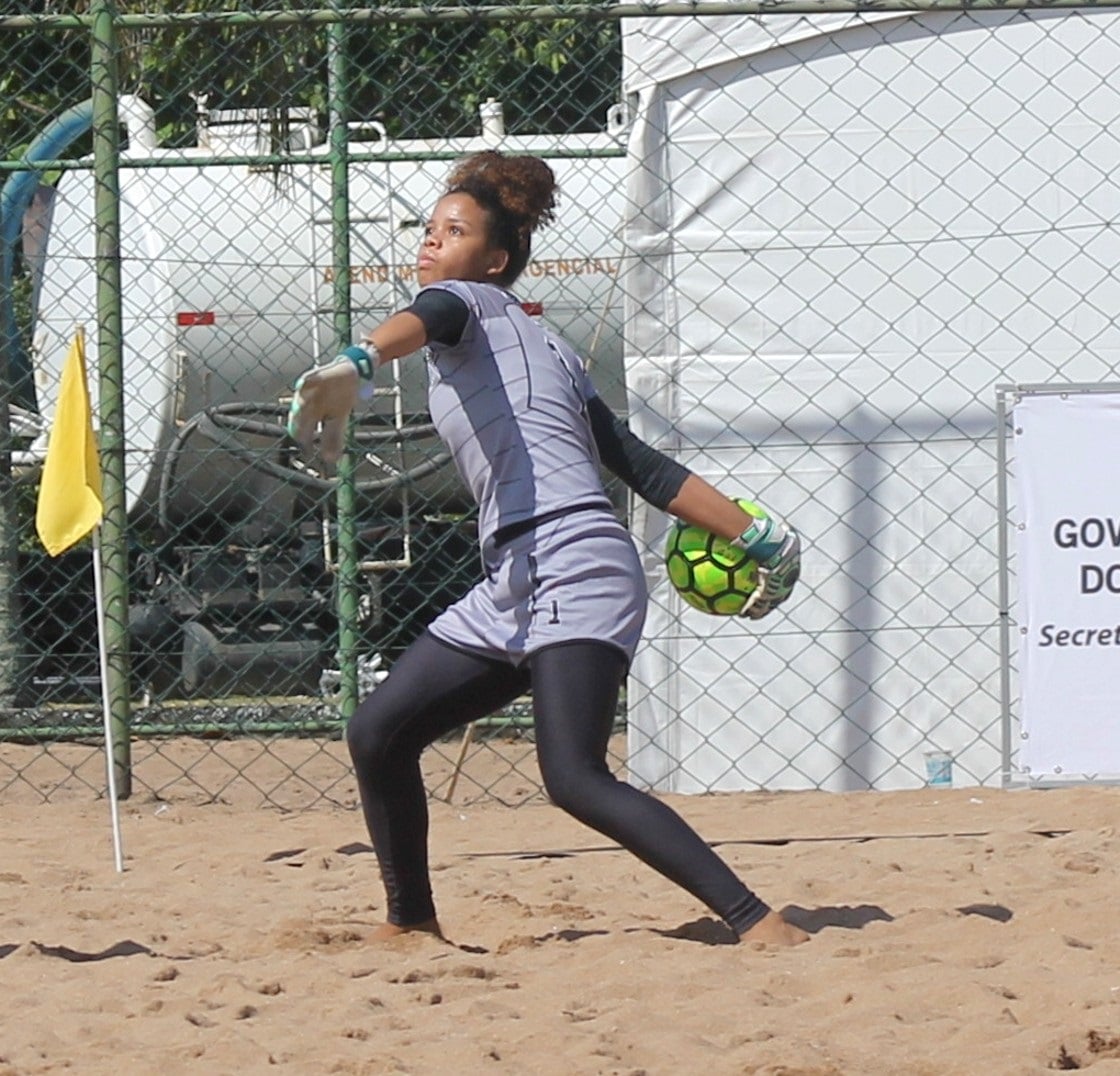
(493, 120)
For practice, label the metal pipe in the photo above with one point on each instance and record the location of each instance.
(534, 13)
(217, 729)
(262, 160)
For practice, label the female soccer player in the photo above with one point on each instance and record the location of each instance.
(563, 599)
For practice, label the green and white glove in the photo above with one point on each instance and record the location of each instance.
(323, 398)
(777, 549)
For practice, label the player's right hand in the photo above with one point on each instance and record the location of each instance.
(322, 400)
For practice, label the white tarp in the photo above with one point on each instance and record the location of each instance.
(1068, 575)
(658, 50)
(840, 243)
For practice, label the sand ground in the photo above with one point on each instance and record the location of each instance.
(968, 931)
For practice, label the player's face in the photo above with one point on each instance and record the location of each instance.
(456, 244)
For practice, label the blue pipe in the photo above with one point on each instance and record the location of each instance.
(14, 200)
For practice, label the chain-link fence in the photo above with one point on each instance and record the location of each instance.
(799, 252)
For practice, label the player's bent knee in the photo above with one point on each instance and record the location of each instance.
(576, 792)
(368, 746)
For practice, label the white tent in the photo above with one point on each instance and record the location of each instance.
(844, 232)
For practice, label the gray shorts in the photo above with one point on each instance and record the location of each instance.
(574, 579)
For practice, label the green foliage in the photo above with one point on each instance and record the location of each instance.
(427, 80)
(41, 75)
(421, 79)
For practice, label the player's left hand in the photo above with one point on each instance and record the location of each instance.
(322, 399)
(777, 549)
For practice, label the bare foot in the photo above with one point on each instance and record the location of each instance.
(772, 929)
(387, 931)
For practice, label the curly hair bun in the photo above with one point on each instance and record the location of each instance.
(524, 187)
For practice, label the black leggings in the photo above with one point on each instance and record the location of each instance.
(433, 689)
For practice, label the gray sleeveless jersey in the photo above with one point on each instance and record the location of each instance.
(509, 401)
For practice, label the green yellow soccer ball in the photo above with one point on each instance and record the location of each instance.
(708, 571)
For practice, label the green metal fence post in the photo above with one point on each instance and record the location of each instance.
(10, 640)
(110, 350)
(348, 577)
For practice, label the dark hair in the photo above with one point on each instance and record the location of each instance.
(518, 195)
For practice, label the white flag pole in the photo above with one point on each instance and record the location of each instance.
(103, 657)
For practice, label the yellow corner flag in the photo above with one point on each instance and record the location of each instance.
(70, 490)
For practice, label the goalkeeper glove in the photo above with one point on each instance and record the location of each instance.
(777, 550)
(324, 396)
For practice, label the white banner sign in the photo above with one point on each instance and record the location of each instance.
(1067, 468)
